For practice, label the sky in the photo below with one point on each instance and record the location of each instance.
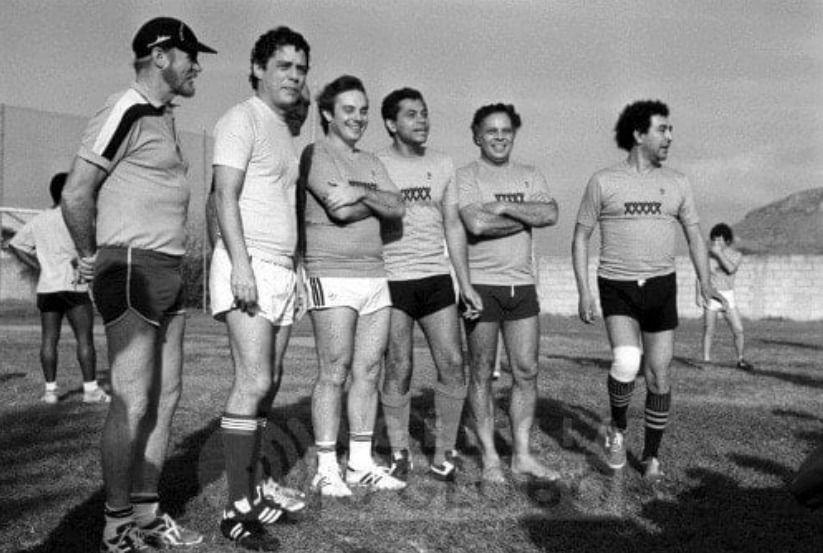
(743, 78)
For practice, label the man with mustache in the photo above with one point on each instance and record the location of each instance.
(638, 205)
(125, 204)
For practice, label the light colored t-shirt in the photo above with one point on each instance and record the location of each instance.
(504, 260)
(721, 279)
(342, 250)
(253, 138)
(143, 203)
(413, 247)
(47, 237)
(638, 216)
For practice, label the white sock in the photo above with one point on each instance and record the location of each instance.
(51, 386)
(90, 386)
(360, 453)
(327, 460)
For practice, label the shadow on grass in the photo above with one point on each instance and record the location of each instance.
(791, 378)
(801, 345)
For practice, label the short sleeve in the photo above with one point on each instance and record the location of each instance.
(109, 133)
(540, 188)
(468, 188)
(451, 194)
(23, 240)
(381, 176)
(234, 139)
(687, 214)
(589, 212)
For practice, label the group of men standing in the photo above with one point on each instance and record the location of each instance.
(358, 240)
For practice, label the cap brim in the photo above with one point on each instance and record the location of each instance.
(205, 49)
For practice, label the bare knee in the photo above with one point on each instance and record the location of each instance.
(398, 372)
(332, 374)
(525, 372)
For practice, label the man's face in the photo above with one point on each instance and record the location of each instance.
(281, 82)
(412, 123)
(655, 142)
(495, 136)
(350, 117)
(180, 72)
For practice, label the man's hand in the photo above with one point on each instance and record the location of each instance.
(587, 308)
(472, 302)
(301, 291)
(85, 268)
(244, 287)
(343, 195)
(709, 292)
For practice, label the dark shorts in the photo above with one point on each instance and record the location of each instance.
(61, 302)
(148, 282)
(653, 302)
(507, 303)
(420, 297)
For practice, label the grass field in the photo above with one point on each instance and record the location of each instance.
(734, 441)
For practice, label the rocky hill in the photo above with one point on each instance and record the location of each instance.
(793, 225)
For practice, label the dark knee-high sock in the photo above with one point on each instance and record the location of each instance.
(657, 415)
(239, 442)
(620, 395)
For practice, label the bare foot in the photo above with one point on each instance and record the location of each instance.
(494, 474)
(528, 465)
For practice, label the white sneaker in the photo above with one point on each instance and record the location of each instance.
(98, 395)
(50, 397)
(374, 477)
(330, 484)
(289, 499)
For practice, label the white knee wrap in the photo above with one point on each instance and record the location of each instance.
(626, 363)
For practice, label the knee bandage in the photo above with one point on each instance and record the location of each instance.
(625, 363)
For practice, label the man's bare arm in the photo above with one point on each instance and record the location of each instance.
(480, 222)
(586, 307)
(700, 260)
(79, 204)
(384, 204)
(531, 214)
(458, 255)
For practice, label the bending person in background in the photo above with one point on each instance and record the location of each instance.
(44, 244)
(349, 195)
(724, 261)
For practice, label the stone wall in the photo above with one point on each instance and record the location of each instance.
(767, 286)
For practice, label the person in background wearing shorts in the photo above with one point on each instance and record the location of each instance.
(638, 205)
(253, 280)
(724, 261)
(125, 204)
(44, 244)
(349, 195)
(420, 283)
(501, 201)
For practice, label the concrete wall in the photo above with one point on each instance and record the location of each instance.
(767, 286)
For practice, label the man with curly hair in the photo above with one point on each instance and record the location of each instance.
(638, 205)
(501, 201)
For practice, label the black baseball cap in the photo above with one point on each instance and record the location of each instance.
(167, 31)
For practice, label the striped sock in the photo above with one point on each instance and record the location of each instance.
(360, 450)
(448, 405)
(657, 415)
(397, 410)
(620, 395)
(145, 507)
(239, 440)
(326, 456)
(116, 518)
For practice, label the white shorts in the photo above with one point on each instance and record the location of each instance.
(276, 284)
(364, 295)
(715, 305)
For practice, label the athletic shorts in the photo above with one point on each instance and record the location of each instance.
(651, 302)
(147, 282)
(60, 302)
(507, 303)
(715, 305)
(364, 295)
(276, 282)
(420, 297)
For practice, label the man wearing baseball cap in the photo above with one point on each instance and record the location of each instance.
(125, 204)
